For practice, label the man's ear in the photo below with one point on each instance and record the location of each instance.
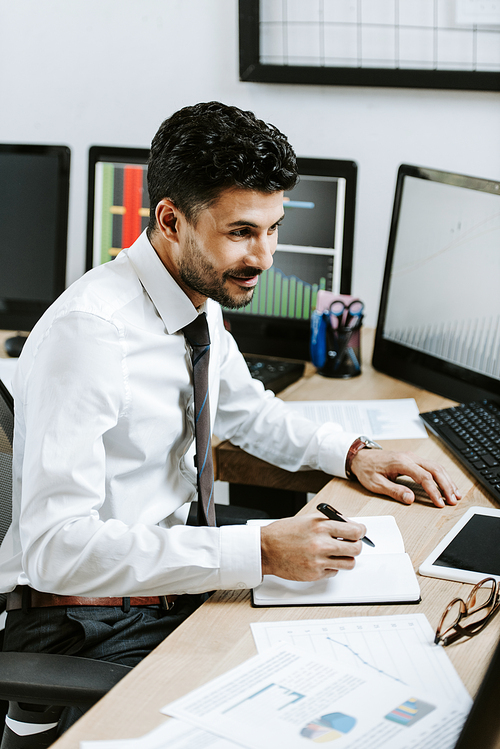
(166, 219)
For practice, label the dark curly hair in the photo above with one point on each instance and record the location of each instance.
(203, 149)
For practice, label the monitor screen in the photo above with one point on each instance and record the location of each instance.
(34, 194)
(439, 319)
(314, 250)
(315, 244)
(118, 203)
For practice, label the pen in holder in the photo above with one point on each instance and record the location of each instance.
(335, 337)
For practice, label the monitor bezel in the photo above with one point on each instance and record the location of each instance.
(482, 725)
(405, 363)
(120, 155)
(24, 315)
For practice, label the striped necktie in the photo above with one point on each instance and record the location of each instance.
(198, 337)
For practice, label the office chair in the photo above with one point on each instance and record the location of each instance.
(38, 686)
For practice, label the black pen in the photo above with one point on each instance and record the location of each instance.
(333, 514)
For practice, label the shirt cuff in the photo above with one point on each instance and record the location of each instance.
(240, 557)
(333, 449)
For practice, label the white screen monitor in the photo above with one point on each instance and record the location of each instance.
(439, 318)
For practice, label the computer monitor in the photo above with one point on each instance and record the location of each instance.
(34, 195)
(439, 317)
(481, 730)
(314, 251)
(118, 202)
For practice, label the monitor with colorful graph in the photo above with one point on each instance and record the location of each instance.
(314, 251)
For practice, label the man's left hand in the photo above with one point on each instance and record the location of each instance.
(377, 470)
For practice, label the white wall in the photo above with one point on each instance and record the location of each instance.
(84, 72)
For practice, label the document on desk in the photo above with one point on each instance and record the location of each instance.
(379, 419)
(400, 645)
(383, 574)
(174, 734)
(284, 698)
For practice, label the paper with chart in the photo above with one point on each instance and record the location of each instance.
(379, 419)
(401, 646)
(284, 698)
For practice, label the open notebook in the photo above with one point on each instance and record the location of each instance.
(383, 574)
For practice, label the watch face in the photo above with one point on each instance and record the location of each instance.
(369, 442)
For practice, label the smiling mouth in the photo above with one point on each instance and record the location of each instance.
(247, 283)
(247, 279)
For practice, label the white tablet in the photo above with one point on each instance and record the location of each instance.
(470, 551)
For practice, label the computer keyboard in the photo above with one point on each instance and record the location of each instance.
(275, 374)
(472, 432)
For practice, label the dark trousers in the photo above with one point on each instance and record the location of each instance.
(101, 632)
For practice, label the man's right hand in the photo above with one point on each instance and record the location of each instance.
(309, 547)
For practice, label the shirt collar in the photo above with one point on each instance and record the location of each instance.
(174, 307)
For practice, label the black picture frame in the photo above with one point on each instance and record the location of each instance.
(251, 69)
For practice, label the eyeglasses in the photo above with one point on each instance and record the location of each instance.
(468, 618)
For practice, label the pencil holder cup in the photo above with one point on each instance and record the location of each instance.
(336, 339)
(342, 353)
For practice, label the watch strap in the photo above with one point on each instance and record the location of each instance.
(361, 443)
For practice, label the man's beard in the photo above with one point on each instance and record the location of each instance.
(200, 276)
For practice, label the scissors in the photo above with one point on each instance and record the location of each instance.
(346, 316)
(345, 319)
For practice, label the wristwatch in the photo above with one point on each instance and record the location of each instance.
(359, 444)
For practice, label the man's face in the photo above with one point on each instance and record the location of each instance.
(232, 242)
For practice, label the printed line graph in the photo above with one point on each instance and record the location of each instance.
(398, 646)
(365, 663)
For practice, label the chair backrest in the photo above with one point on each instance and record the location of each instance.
(6, 437)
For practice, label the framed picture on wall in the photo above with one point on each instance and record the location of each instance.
(450, 44)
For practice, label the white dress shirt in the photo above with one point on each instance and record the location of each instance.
(103, 444)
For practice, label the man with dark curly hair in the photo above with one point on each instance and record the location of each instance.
(99, 561)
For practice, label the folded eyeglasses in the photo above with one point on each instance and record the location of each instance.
(468, 618)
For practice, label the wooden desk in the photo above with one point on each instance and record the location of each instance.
(237, 467)
(217, 637)
(4, 334)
